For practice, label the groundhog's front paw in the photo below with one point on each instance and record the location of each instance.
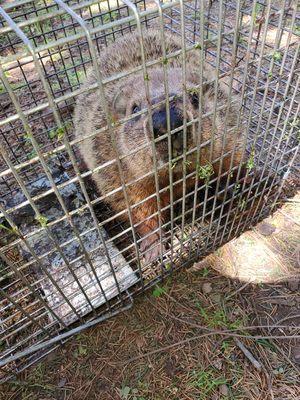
(150, 247)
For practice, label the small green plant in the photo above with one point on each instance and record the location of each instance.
(237, 324)
(28, 140)
(197, 46)
(205, 272)
(27, 136)
(187, 163)
(158, 291)
(242, 204)
(173, 164)
(146, 77)
(242, 40)
(13, 85)
(36, 27)
(57, 133)
(112, 16)
(277, 56)
(168, 266)
(81, 351)
(225, 346)
(31, 154)
(219, 318)
(165, 61)
(128, 393)
(205, 172)
(42, 220)
(75, 77)
(293, 124)
(297, 29)
(266, 343)
(125, 392)
(250, 163)
(207, 382)
(236, 188)
(258, 8)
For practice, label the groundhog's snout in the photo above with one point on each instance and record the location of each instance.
(160, 127)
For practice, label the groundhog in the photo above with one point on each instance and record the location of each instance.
(127, 97)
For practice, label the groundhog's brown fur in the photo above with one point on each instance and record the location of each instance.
(123, 96)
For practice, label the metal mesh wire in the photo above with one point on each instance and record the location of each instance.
(66, 256)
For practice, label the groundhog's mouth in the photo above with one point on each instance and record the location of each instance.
(171, 145)
(174, 150)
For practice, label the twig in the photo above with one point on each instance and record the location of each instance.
(232, 331)
(286, 319)
(239, 289)
(210, 332)
(247, 353)
(161, 349)
(213, 332)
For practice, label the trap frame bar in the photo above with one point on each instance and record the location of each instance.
(80, 30)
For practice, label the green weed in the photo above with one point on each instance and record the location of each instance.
(127, 393)
(250, 163)
(218, 318)
(207, 382)
(187, 163)
(42, 220)
(81, 351)
(242, 204)
(168, 266)
(60, 132)
(277, 56)
(236, 188)
(75, 77)
(173, 164)
(294, 124)
(158, 291)
(205, 272)
(205, 172)
(266, 343)
(31, 154)
(112, 16)
(257, 11)
(225, 346)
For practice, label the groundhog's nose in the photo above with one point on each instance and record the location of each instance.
(159, 118)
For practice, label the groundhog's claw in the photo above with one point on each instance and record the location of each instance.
(150, 246)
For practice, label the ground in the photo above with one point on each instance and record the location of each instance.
(199, 335)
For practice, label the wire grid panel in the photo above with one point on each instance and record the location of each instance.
(72, 255)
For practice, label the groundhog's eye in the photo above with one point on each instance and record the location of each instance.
(135, 109)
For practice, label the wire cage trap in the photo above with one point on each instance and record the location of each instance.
(68, 259)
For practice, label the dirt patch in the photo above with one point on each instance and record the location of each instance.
(198, 335)
(267, 253)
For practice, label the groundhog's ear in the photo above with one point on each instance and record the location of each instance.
(120, 103)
